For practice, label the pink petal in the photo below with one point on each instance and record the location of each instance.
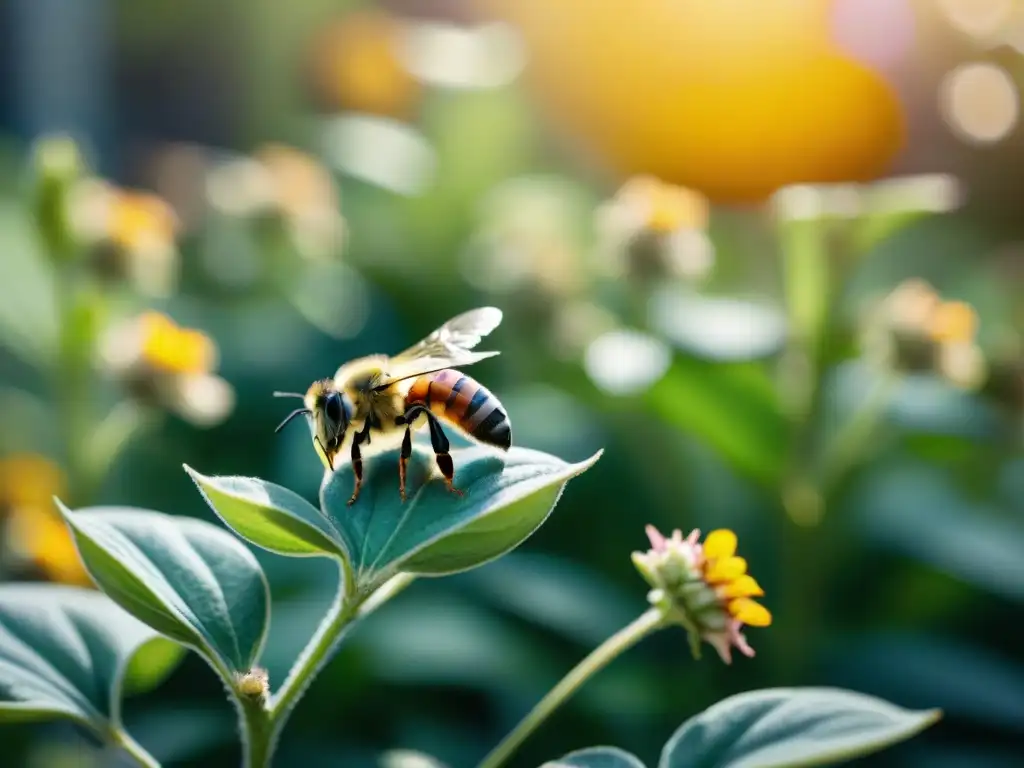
(740, 640)
(658, 541)
(720, 642)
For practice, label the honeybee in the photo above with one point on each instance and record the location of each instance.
(376, 398)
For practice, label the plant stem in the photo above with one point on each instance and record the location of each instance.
(257, 736)
(263, 723)
(621, 641)
(123, 739)
(842, 454)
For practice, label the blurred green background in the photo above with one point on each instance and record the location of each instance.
(768, 255)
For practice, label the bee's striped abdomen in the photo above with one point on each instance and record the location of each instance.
(464, 402)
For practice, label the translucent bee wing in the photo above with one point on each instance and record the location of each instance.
(447, 347)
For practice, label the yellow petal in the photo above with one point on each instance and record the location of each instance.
(720, 543)
(725, 569)
(747, 611)
(744, 586)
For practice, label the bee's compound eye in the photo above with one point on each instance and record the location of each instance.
(332, 406)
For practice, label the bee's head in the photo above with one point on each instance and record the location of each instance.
(330, 409)
(332, 412)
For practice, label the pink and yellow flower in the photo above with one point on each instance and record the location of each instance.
(705, 587)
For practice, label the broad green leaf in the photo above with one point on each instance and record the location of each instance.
(732, 407)
(269, 516)
(186, 578)
(597, 757)
(434, 532)
(63, 653)
(791, 727)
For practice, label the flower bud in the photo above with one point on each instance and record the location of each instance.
(254, 684)
(58, 165)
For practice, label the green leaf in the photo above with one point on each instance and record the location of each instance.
(270, 516)
(188, 579)
(63, 653)
(732, 407)
(152, 664)
(597, 757)
(435, 532)
(791, 727)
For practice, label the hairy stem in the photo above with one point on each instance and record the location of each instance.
(257, 736)
(263, 727)
(648, 622)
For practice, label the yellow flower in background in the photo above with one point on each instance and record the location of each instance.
(733, 98)
(953, 322)
(164, 365)
(704, 587)
(915, 329)
(29, 479)
(140, 220)
(172, 349)
(663, 207)
(288, 184)
(651, 228)
(39, 535)
(301, 184)
(34, 530)
(356, 65)
(132, 234)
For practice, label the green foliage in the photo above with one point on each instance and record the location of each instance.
(64, 651)
(434, 532)
(773, 728)
(186, 578)
(195, 583)
(269, 516)
(790, 727)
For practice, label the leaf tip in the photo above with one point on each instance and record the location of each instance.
(63, 508)
(582, 466)
(194, 474)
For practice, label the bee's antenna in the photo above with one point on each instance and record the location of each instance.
(289, 394)
(290, 416)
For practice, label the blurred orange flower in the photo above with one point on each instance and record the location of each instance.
(915, 329)
(735, 98)
(132, 233)
(656, 229)
(664, 207)
(35, 531)
(355, 65)
(163, 364)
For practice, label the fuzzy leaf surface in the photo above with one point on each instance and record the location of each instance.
(63, 653)
(186, 578)
(791, 727)
(270, 516)
(507, 496)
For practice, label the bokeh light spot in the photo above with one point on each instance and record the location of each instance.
(626, 362)
(980, 102)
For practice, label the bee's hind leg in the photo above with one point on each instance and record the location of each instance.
(439, 442)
